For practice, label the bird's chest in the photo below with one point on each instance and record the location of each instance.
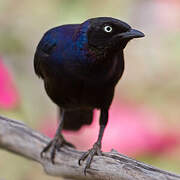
(72, 93)
(76, 87)
(106, 73)
(64, 91)
(97, 73)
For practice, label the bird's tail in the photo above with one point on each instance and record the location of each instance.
(73, 120)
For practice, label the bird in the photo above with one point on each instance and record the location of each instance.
(80, 65)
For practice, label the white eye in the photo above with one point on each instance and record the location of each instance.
(108, 29)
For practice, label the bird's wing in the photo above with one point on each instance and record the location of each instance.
(43, 54)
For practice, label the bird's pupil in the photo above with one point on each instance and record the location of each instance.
(108, 28)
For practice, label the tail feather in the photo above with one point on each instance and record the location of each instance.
(73, 120)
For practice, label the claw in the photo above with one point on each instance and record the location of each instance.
(46, 148)
(55, 144)
(53, 154)
(96, 150)
(83, 157)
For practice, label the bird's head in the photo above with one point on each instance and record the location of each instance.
(107, 34)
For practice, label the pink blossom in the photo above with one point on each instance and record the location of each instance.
(9, 97)
(131, 130)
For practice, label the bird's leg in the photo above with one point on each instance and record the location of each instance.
(57, 142)
(96, 149)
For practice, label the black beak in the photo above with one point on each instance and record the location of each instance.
(132, 33)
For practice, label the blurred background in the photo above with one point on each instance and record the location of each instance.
(144, 118)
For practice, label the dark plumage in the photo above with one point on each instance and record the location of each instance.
(81, 65)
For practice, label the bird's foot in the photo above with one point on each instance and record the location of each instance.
(55, 144)
(96, 150)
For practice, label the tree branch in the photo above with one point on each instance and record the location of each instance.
(20, 139)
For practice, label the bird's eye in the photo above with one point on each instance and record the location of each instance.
(108, 29)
